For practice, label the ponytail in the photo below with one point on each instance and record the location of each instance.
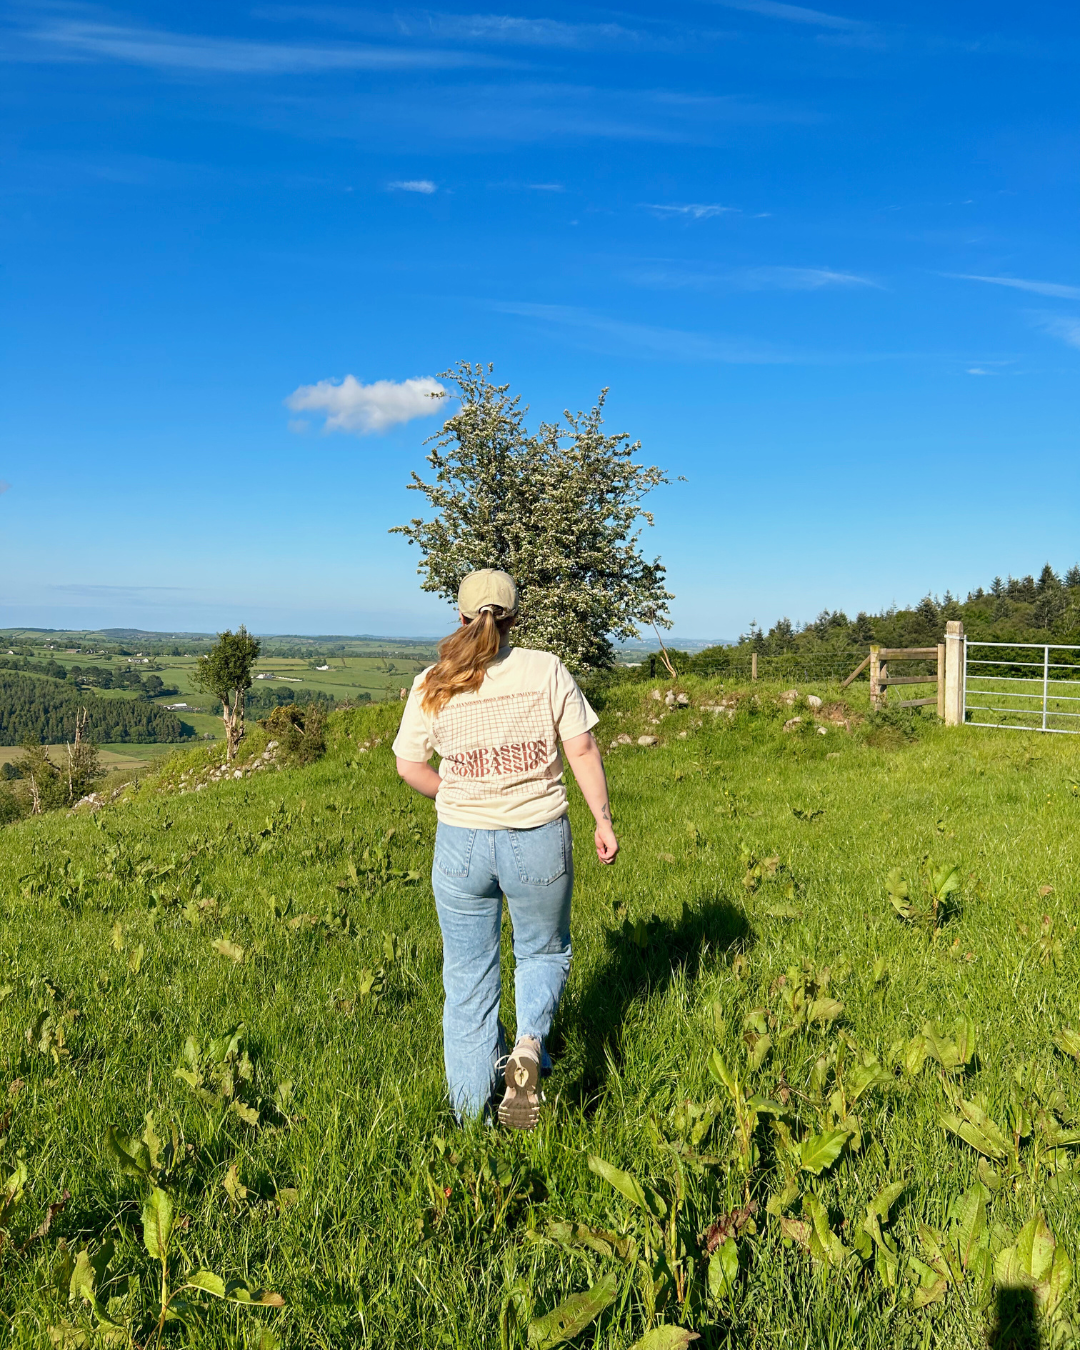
(464, 657)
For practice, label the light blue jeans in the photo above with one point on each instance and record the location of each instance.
(472, 871)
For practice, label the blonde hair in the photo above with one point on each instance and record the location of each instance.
(464, 657)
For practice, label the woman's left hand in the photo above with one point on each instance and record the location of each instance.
(607, 846)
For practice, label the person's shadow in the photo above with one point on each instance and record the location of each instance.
(1016, 1326)
(639, 959)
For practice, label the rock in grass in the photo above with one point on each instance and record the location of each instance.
(792, 723)
(789, 696)
(648, 740)
(813, 700)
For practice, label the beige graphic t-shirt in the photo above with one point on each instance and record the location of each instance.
(501, 767)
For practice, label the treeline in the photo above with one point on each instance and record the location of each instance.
(262, 701)
(91, 677)
(45, 710)
(1045, 608)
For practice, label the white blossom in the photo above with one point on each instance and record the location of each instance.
(559, 509)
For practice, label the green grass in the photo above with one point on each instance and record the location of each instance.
(379, 1222)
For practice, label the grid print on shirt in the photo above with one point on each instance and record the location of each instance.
(494, 747)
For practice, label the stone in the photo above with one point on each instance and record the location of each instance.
(655, 693)
(813, 700)
(648, 740)
(789, 696)
(821, 731)
(792, 723)
(272, 745)
(683, 700)
(683, 735)
(622, 739)
(669, 698)
(238, 773)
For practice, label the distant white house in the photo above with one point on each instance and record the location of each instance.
(178, 707)
(265, 676)
(317, 667)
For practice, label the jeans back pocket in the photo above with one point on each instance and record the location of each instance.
(542, 853)
(453, 850)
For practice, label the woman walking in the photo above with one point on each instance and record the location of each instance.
(496, 715)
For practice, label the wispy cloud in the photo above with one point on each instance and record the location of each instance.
(1052, 288)
(424, 185)
(366, 408)
(798, 278)
(91, 592)
(516, 31)
(750, 278)
(4, 487)
(495, 29)
(692, 210)
(1063, 326)
(178, 51)
(773, 9)
(646, 339)
(546, 187)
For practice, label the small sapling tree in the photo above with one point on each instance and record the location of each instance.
(559, 509)
(225, 672)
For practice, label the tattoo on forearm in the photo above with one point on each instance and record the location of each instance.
(605, 812)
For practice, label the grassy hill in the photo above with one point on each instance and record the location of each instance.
(273, 939)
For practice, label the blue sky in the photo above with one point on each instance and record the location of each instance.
(825, 260)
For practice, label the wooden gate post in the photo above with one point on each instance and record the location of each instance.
(954, 673)
(753, 665)
(941, 680)
(877, 689)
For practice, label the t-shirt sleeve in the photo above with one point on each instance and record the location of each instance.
(573, 715)
(413, 741)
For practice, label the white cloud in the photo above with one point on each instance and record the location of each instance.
(1063, 326)
(180, 51)
(773, 9)
(598, 332)
(751, 278)
(424, 185)
(1053, 288)
(976, 370)
(697, 210)
(546, 187)
(366, 408)
(517, 31)
(799, 278)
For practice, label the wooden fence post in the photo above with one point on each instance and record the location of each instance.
(877, 689)
(753, 665)
(941, 681)
(954, 673)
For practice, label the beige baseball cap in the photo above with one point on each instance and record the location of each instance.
(487, 587)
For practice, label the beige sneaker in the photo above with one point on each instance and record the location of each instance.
(520, 1106)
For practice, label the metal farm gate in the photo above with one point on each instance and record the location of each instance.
(1023, 686)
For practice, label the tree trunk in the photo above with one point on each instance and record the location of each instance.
(233, 717)
(230, 731)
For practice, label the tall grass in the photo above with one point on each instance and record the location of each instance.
(284, 902)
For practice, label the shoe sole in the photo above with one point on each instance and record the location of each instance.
(520, 1106)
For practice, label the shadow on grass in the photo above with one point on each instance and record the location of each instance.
(1016, 1325)
(639, 959)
